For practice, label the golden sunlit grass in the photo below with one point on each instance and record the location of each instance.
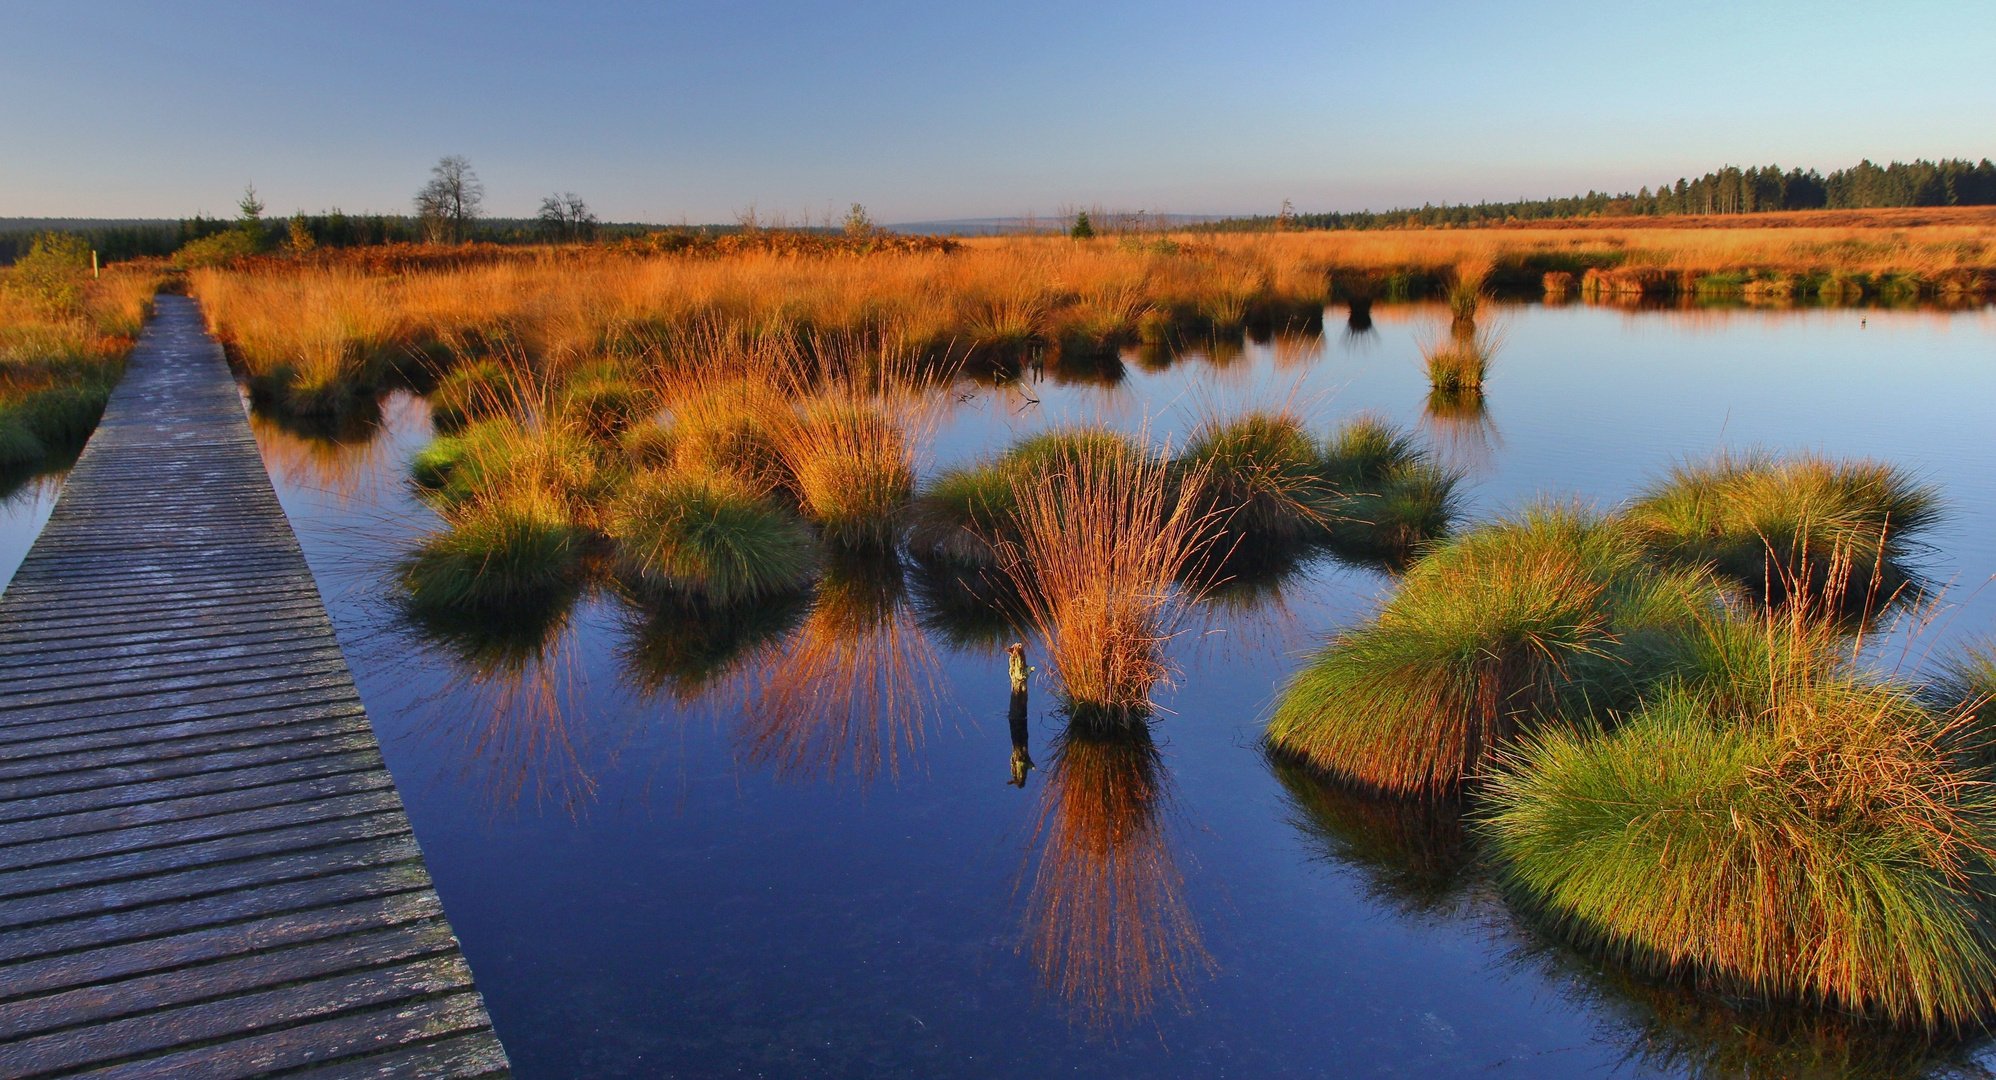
(1102, 539)
(307, 329)
(64, 336)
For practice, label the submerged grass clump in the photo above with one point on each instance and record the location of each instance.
(709, 536)
(1801, 527)
(1824, 844)
(1546, 614)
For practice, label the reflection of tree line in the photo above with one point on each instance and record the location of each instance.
(1418, 857)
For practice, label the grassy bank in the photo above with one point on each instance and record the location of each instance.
(312, 331)
(64, 336)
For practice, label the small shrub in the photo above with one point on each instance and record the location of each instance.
(52, 276)
(218, 250)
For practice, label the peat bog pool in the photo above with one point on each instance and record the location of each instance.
(813, 865)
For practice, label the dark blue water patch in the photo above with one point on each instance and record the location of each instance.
(709, 884)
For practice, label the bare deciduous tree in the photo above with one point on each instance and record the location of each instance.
(566, 217)
(449, 203)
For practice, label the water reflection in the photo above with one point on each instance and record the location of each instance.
(510, 698)
(1410, 854)
(1464, 434)
(679, 647)
(334, 453)
(851, 689)
(1106, 923)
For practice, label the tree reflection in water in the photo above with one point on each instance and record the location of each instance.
(1106, 922)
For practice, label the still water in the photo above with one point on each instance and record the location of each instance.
(813, 865)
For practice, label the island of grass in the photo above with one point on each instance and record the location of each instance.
(1670, 749)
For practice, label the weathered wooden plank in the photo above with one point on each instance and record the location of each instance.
(127, 876)
(460, 1057)
(218, 909)
(344, 1037)
(309, 764)
(204, 869)
(20, 857)
(224, 701)
(64, 737)
(330, 675)
(231, 1016)
(64, 783)
(93, 900)
(256, 971)
(164, 811)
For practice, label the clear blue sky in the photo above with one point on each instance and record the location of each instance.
(666, 111)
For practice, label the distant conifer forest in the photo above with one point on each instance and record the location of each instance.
(1730, 190)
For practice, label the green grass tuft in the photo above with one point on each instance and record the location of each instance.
(709, 536)
(1823, 846)
(1263, 476)
(1536, 616)
(516, 551)
(1800, 527)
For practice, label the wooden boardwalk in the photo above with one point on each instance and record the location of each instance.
(205, 870)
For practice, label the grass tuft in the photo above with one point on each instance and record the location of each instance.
(1801, 527)
(518, 550)
(1102, 538)
(1822, 844)
(710, 536)
(1502, 628)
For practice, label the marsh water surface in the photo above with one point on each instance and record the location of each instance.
(668, 857)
